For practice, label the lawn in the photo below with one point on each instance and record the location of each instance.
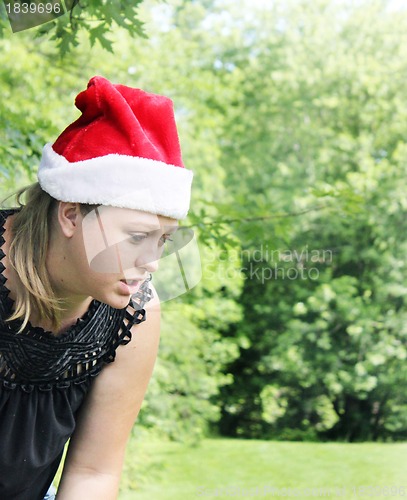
(226, 468)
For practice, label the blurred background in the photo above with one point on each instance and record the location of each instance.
(285, 367)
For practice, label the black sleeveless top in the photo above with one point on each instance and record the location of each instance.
(44, 379)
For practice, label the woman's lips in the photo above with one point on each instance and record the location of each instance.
(130, 287)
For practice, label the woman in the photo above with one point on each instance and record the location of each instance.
(79, 318)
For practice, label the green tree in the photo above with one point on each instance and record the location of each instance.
(320, 123)
(94, 18)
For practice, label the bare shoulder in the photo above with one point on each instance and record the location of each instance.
(124, 381)
(114, 401)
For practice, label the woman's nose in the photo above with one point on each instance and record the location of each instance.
(150, 266)
(148, 258)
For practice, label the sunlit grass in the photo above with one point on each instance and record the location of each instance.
(219, 467)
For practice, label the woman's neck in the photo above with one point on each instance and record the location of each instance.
(69, 316)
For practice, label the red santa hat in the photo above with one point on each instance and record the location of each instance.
(122, 151)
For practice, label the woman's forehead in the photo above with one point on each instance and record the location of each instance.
(131, 217)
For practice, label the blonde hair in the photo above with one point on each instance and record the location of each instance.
(31, 231)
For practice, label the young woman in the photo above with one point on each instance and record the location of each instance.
(79, 317)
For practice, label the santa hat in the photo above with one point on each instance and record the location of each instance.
(122, 151)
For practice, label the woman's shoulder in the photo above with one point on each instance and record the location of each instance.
(6, 217)
(6, 273)
(6, 212)
(4, 292)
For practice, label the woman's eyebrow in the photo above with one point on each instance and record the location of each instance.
(151, 227)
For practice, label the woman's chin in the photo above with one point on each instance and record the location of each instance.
(116, 301)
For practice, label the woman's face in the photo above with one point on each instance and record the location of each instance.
(115, 250)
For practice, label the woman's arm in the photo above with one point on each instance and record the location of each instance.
(96, 451)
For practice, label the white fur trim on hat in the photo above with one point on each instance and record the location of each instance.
(119, 181)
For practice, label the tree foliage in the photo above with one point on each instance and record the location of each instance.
(94, 18)
(323, 123)
(293, 118)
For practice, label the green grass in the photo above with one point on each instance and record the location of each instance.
(172, 471)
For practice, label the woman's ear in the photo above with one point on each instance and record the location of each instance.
(69, 217)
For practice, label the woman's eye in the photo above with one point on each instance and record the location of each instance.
(165, 237)
(137, 238)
